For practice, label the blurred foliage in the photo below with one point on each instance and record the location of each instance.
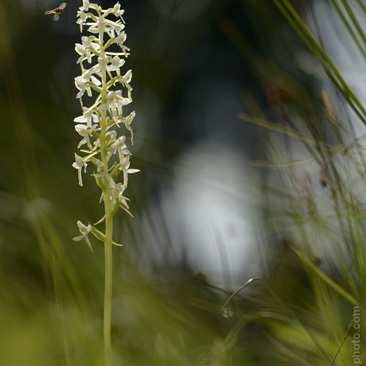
(51, 288)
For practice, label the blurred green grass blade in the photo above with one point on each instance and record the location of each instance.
(355, 22)
(318, 52)
(324, 277)
(282, 303)
(361, 5)
(282, 164)
(349, 27)
(294, 19)
(284, 130)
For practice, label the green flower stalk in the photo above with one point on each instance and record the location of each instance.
(102, 146)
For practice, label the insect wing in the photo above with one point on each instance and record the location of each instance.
(62, 6)
(56, 17)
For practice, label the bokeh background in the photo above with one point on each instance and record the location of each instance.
(207, 214)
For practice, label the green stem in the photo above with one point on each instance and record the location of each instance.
(108, 273)
(108, 265)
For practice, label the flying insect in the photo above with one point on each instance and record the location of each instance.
(56, 12)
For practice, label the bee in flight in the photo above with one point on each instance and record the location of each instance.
(56, 12)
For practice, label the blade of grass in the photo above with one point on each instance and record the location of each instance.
(318, 52)
(288, 310)
(324, 277)
(284, 130)
(349, 27)
(354, 21)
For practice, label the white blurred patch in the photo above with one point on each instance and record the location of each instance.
(211, 211)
